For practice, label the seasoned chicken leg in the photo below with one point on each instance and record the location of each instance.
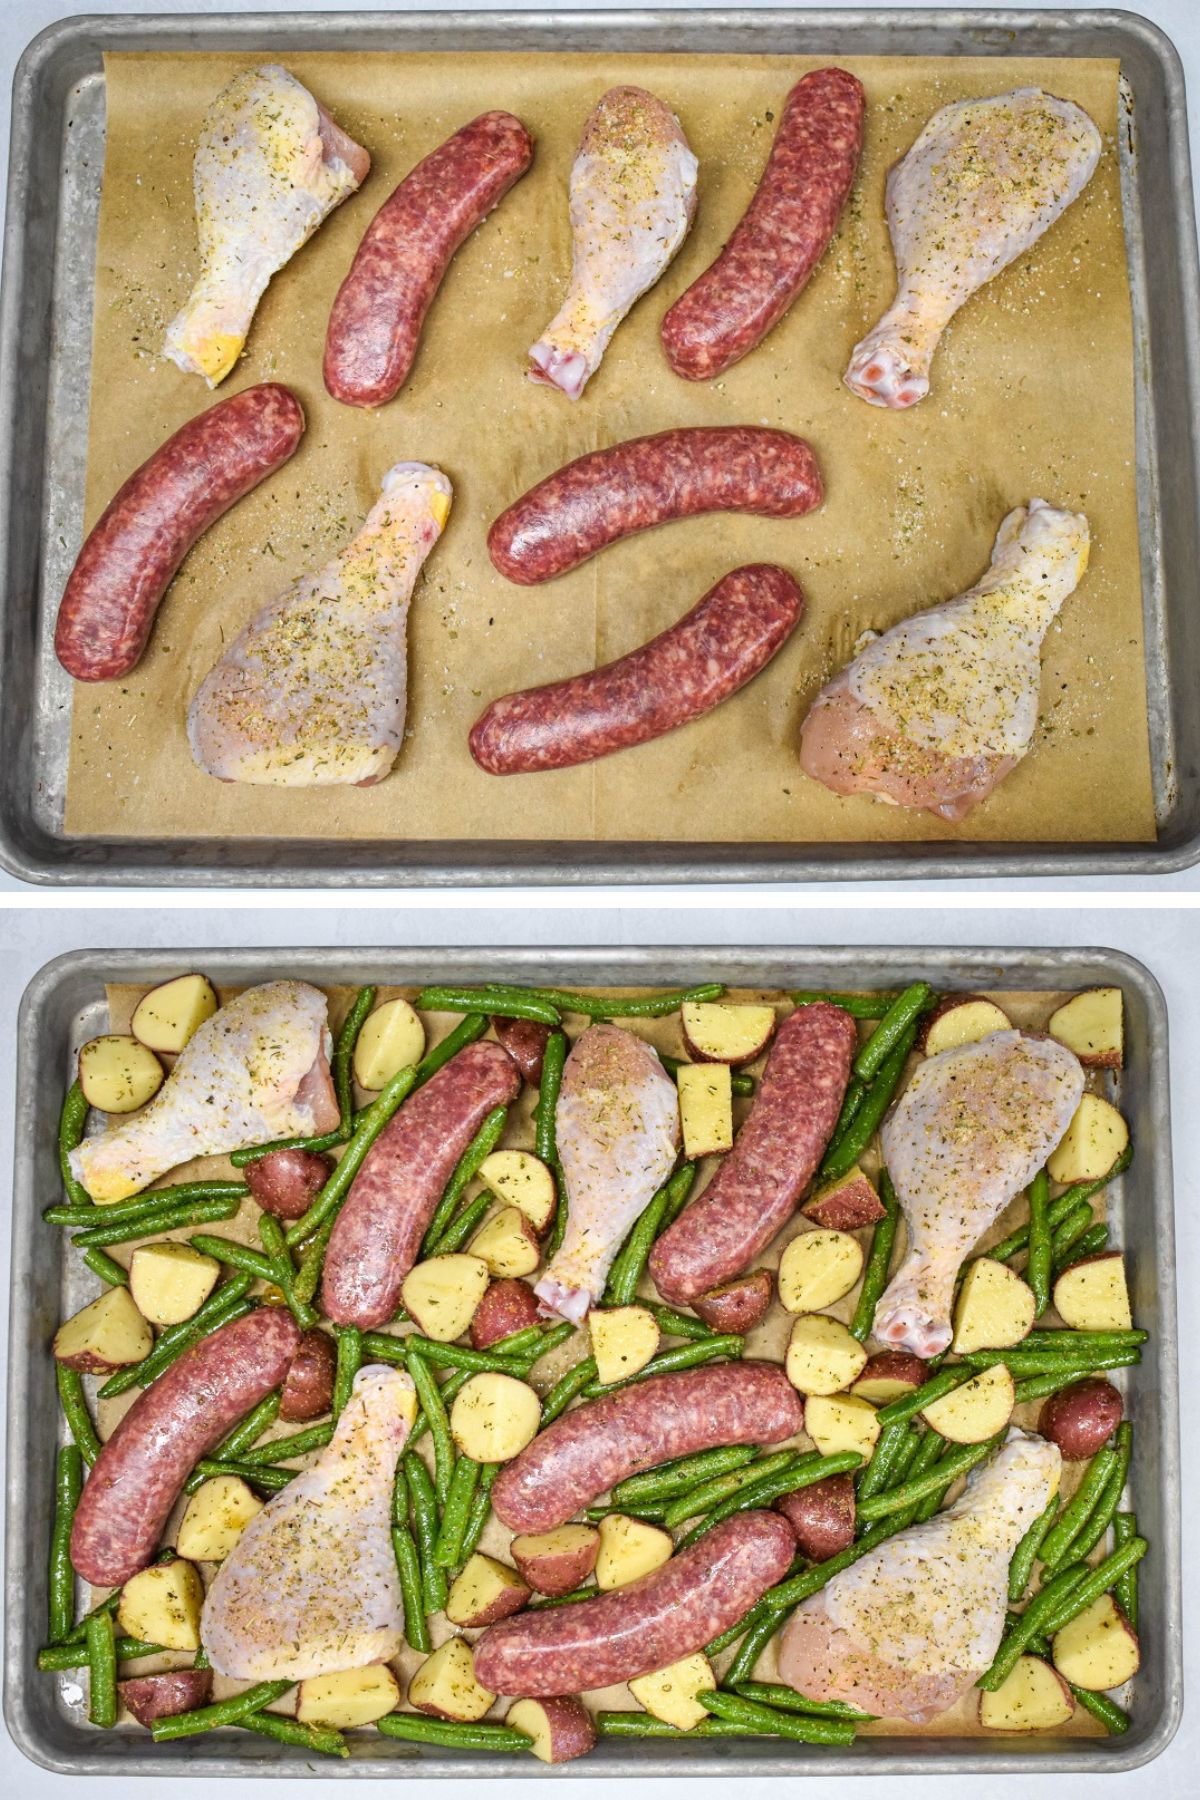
(971, 1129)
(257, 1070)
(980, 185)
(271, 164)
(311, 1586)
(617, 1124)
(938, 710)
(906, 1630)
(312, 692)
(633, 198)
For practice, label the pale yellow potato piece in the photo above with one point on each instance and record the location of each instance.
(1091, 1144)
(493, 1417)
(108, 1334)
(483, 1591)
(1092, 1024)
(822, 1356)
(169, 1282)
(442, 1293)
(1092, 1295)
(965, 1023)
(670, 1694)
(818, 1268)
(977, 1410)
(560, 1726)
(117, 1074)
(624, 1338)
(841, 1422)
(348, 1697)
(705, 1108)
(521, 1180)
(215, 1517)
(169, 1016)
(1098, 1649)
(1034, 1698)
(714, 1032)
(995, 1308)
(392, 1038)
(507, 1243)
(629, 1548)
(161, 1605)
(446, 1684)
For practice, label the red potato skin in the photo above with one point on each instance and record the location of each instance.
(525, 1040)
(375, 325)
(308, 1384)
(1081, 1418)
(132, 552)
(848, 1207)
(891, 1365)
(782, 235)
(774, 1157)
(645, 1625)
(377, 1236)
(151, 1697)
(592, 1447)
(508, 1305)
(714, 650)
(822, 1516)
(140, 1472)
(287, 1182)
(738, 1305)
(558, 1573)
(610, 494)
(571, 1727)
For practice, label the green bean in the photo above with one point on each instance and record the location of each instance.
(677, 1324)
(460, 1229)
(630, 1260)
(803, 1730)
(513, 1004)
(589, 1591)
(566, 1388)
(859, 1006)
(856, 1093)
(168, 1218)
(248, 1431)
(1039, 1387)
(905, 1456)
(928, 1450)
(71, 1121)
(73, 1401)
(739, 1082)
(879, 1258)
(106, 1268)
(102, 1671)
(1025, 1554)
(1048, 1362)
(876, 1474)
(652, 1514)
(854, 1140)
(1097, 1581)
(1126, 1589)
(1067, 1233)
(773, 1693)
(1108, 1499)
(1059, 1208)
(282, 1449)
(557, 1335)
(457, 1356)
(944, 1382)
(1079, 1343)
(434, 1408)
(645, 1725)
(805, 1470)
(684, 1473)
(481, 1506)
(1032, 1622)
(517, 1342)
(447, 1551)
(272, 1481)
(934, 1501)
(966, 1456)
(480, 1147)
(425, 1529)
(328, 1202)
(738, 1629)
(224, 1712)
(238, 1256)
(68, 1485)
(54, 1658)
(323, 1740)
(1037, 1269)
(147, 1204)
(545, 1135)
(349, 1362)
(686, 1356)
(601, 1006)
(448, 1390)
(897, 1024)
(408, 1565)
(312, 1261)
(1093, 1239)
(699, 1498)
(252, 1153)
(420, 1728)
(343, 1054)
(283, 1270)
(1110, 1715)
(218, 1309)
(753, 1643)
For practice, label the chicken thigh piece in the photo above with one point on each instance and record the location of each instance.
(980, 185)
(908, 1628)
(270, 166)
(971, 1129)
(313, 692)
(938, 710)
(256, 1070)
(632, 201)
(617, 1124)
(311, 1586)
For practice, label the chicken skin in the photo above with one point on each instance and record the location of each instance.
(632, 201)
(617, 1123)
(971, 1129)
(980, 185)
(311, 1586)
(313, 692)
(256, 1070)
(270, 166)
(906, 1630)
(940, 708)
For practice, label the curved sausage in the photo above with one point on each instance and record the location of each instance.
(645, 1625)
(714, 650)
(782, 234)
(140, 1472)
(376, 321)
(525, 1040)
(377, 1236)
(609, 494)
(589, 1449)
(146, 530)
(754, 1192)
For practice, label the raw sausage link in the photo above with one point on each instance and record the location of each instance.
(146, 530)
(782, 234)
(183, 1415)
(645, 1625)
(756, 1188)
(525, 1040)
(592, 1447)
(377, 1237)
(376, 321)
(609, 494)
(684, 672)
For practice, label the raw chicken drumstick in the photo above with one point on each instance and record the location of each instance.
(971, 1129)
(940, 708)
(270, 166)
(908, 1628)
(980, 185)
(312, 692)
(633, 198)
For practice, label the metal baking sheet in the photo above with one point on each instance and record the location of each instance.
(65, 1004)
(45, 335)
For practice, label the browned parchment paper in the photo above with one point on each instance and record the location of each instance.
(1030, 1010)
(1032, 396)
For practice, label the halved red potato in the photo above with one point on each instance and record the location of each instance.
(629, 1548)
(118, 1074)
(521, 1179)
(561, 1728)
(705, 1108)
(822, 1356)
(846, 1204)
(960, 1019)
(994, 1310)
(1091, 1143)
(1033, 1698)
(493, 1417)
(556, 1562)
(392, 1038)
(446, 1685)
(822, 1516)
(508, 1306)
(624, 1338)
(286, 1182)
(1092, 1025)
(483, 1591)
(1098, 1649)
(730, 1034)
(442, 1292)
(888, 1375)
(837, 1422)
(817, 1268)
(977, 1410)
(346, 1698)
(151, 1697)
(108, 1334)
(670, 1694)
(308, 1384)
(739, 1304)
(507, 1244)
(1081, 1418)
(1092, 1295)
(169, 1281)
(169, 1016)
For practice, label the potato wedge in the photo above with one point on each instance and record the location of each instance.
(1081, 1418)
(169, 1016)
(151, 1697)
(629, 1548)
(889, 1374)
(738, 1304)
(818, 1268)
(624, 1338)
(977, 1410)
(1034, 1698)
(555, 1562)
(117, 1074)
(446, 1685)
(561, 1728)
(1092, 1295)
(524, 1181)
(841, 1422)
(493, 1417)
(821, 1515)
(161, 1605)
(507, 1243)
(392, 1038)
(726, 1034)
(670, 1694)
(348, 1697)
(995, 1308)
(846, 1204)
(822, 1356)
(1098, 1649)
(483, 1591)
(1092, 1024)
(308, 1384)
(1091, 1144)
(169, 1282)
(109, 1334)
(507, 1306)
(705, 1108)
(215, 1517)
(442, 1293)
(961, 1019)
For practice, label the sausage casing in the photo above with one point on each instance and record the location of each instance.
(133, 550)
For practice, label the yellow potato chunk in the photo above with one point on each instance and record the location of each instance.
(995, 1308)
(215, 1517)
(507, 1243)
(117, 1074)
(1098, 1649)
(170, 1281)
(977, 1410)
(521, 1180)
(169, 1016)
(161, 1605)
(493, 1417)
(629, 1548)
(822, 1356)
(392, 1038)
(1092, 1295)
(107, 1335)
(442, 1293)
(483, 1591)
(624, 1338)
(968, 1021)
(348, 1697)
(1092, 1143)
(1092, 1025)
(1034, 1698)
(841, 1422)
(670, 1694)
(705, 1108)
(446, 1684)
(818, 1268)
(715, 1032)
